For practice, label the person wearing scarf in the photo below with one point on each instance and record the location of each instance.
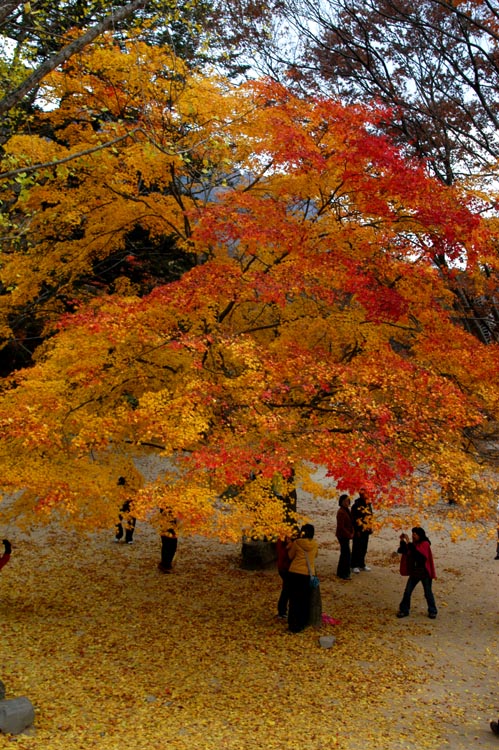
(417, 563)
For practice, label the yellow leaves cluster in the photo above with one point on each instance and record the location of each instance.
(172, 420)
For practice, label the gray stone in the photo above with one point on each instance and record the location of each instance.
(258, 554)
(326, 641)
(15, 715)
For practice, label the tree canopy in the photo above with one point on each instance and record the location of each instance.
(308, 325)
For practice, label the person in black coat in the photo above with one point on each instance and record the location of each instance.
(125, 519)
(362, 516)
(169, 540)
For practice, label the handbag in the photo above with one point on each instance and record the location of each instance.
(314, 581)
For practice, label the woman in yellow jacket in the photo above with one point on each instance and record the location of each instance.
(299, 578)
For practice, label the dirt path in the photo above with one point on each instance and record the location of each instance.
(458, 652)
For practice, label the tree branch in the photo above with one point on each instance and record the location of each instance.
(64, 54)
(48, 164)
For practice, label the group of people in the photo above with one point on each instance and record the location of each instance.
(353, 529)
(299, 601)
(300, 595)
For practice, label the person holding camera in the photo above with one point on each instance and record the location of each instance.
(417, 563)
(4, 559)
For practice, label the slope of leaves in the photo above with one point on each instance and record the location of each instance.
(112, 653)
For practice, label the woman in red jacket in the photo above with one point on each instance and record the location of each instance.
(417, 563)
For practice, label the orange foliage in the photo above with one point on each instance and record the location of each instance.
(314, 329)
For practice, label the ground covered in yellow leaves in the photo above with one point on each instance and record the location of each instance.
(114, 654)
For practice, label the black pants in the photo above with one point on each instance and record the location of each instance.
(129, 527)
(299, 602)
(344, 563)
(282, 604)
(168, 549)
(412, 582)
(359, 549)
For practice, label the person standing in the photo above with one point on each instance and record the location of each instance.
(125, 518)
(283, 563)
(4, 559)
(417, 563)
(169, 540)
(362, 517)
(302, 553)
(344, 535)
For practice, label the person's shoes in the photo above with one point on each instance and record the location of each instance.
(402, 614)
(496, 557)
(130, 542)
(494, 725)
(432, 615)
(116, 541)
(366, 568)
(282, 617)
(355, 570)
(345, 578)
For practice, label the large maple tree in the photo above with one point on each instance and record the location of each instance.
(313, 328)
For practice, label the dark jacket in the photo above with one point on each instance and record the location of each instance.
(362, 513)
(344, 525)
